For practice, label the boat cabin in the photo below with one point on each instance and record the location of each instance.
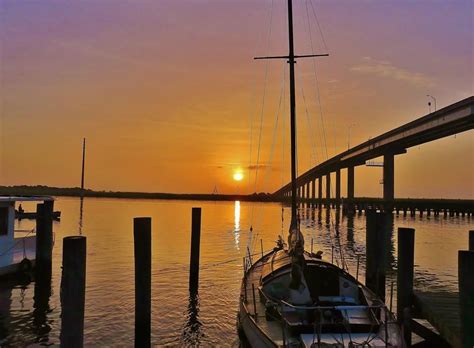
(16, 245)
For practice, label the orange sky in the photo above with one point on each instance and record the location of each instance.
(165, 91)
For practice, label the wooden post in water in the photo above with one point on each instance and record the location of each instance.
(406, 256)
(466, 292)
(375, 248)
(44, 238)
(195, 246)
(73, 289)
(142, 249)
(471, 240)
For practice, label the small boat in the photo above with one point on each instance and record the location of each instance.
(17, 247)
(32, 215)
(292, 298)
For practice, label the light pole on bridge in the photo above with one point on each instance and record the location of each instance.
(429, 103)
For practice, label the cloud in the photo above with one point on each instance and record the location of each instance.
(386, 69)
(254, 166)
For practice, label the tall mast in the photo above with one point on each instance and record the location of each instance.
(83, 165)
(291, 61)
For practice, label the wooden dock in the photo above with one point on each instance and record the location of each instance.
(449, 315)
(442, 310)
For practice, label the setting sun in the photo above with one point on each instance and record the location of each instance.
(238, 176)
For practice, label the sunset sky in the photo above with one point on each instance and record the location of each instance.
(166, 91)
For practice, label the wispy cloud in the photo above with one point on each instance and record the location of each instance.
(387, 70)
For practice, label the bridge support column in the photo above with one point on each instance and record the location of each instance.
(350, 182)
(307, 190)
(338, 187)
(328, 190)
(320, 190)
(388, 178)
(313, 190)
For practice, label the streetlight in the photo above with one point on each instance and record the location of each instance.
(349, 136)
(429, 103)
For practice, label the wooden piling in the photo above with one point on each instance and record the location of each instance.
(44, 238)
(195, 248)
(142, 248)
(466, 295)
(376, 229)
(406, 255)
(471, 240)
(73, 287)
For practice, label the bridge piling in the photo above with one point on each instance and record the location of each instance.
(320, 191)
(328, 190)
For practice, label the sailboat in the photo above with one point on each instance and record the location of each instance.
(292, 298)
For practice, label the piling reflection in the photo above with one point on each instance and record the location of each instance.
(350, 230)
(192, 331)
(390, 243)
(41, 308)
(81, 214)
(5, 318)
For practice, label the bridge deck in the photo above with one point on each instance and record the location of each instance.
(452, 119)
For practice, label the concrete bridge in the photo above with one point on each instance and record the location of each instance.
(453, 119)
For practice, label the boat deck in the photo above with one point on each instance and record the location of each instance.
(272, 329)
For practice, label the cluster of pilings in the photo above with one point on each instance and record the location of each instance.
(73, 277)
(376, 258)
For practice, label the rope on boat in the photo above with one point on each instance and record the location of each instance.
(261, 118)
(18, 242)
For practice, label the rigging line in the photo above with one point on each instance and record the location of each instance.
(314, 159)
(261, 115)
(321, 114)
(274, 137)
(253, 110)
(318, 94)
(263, 103)
(283, 129)
(319, 26)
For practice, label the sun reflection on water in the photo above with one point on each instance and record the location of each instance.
(237, 224)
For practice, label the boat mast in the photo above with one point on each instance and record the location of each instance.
(291, 61)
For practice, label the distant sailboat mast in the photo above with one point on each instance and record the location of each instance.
(83, 165)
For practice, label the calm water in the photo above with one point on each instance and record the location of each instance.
(107, 223)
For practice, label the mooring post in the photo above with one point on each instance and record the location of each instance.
(73, 290)
(195, 246)
(142, 249)
(44, 238)
(43, 274)
(406, 256)
(471, 240)
(466, 294)
(376, 229)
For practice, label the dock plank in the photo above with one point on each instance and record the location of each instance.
(442, 310)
